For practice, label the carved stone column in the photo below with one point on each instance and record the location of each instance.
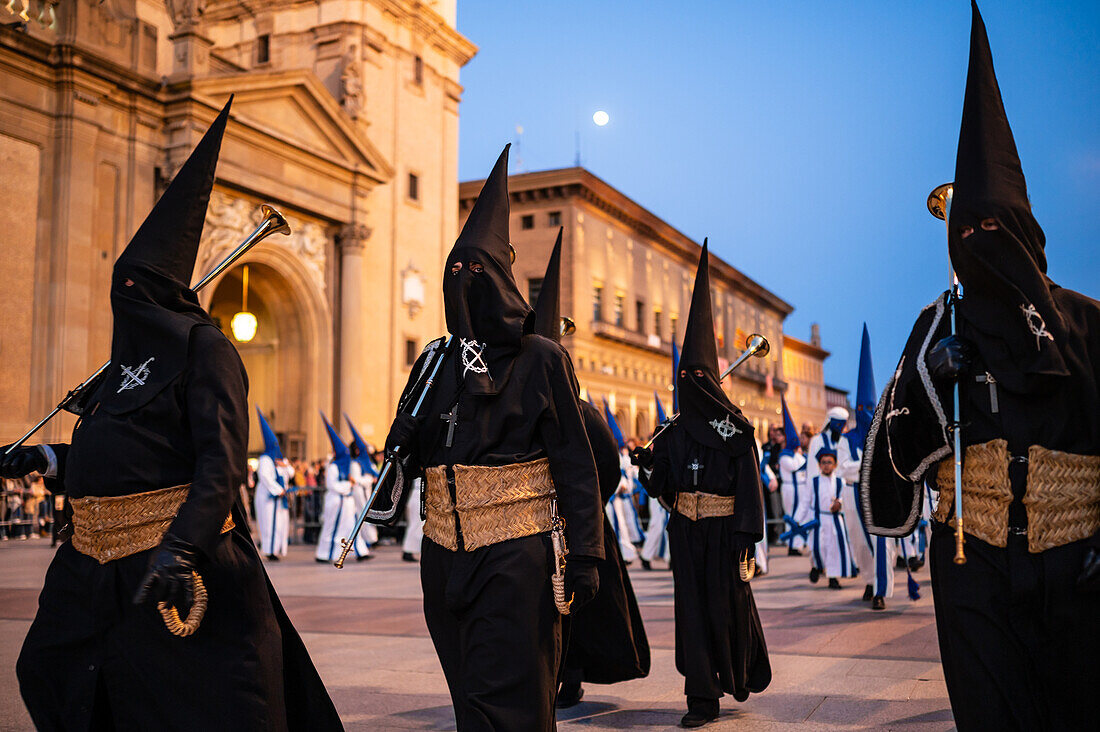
(353, 327)
(190, 48)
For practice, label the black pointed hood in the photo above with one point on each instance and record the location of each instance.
(1006, 293)
(152, 301)
(548, 306)
(705, 410)
(484, 307)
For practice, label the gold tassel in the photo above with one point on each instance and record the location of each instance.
(557, 539)
(171, 615)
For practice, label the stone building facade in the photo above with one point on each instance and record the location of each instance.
(627, 278)
(345, 118)
(804, 369)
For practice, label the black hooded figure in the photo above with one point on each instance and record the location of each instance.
(501, 442)
(169, 418)
(605, 642)
(704, 466)
(1017, 623)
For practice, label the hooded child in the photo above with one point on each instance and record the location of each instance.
(273, 475)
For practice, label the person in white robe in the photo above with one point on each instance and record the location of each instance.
(830, 544)
(338, 515)
(621, 512)
(271, 510)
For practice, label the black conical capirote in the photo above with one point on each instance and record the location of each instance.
(486, 228)
(168, 239)
(700, 350)
(548, 305)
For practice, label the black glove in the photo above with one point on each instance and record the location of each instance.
(581, 581)
(642, 457)
(22, 461)
(402, 430)
(1089, 579)
(743, 542)
(950, 359)
(169, 577)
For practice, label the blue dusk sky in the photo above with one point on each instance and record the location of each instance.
(801, 136)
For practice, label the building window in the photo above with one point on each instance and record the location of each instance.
(414, 187)
(672, 321)
(418, 70)
(554, 218)
(639, 315)
(657, 324)
(263, 48)
(534, 287)
(619, 298)
(597, 303)
(527, 221)
(411, 352)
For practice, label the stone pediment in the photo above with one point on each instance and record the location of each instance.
(296, 109)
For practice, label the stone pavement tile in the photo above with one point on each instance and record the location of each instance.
(13, 715)
(934, 688)
(18, 603)
(882, 668)
(376, 616)
(831, 676)
(854, 713)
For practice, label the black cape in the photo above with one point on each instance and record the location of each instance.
(92, 654)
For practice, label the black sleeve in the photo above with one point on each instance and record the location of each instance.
(657, 483)
(216, 405)
(56, 484)
(605, 451)
(748, 504)
(417, 370)
(572, 467)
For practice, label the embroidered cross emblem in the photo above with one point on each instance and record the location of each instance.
(1039, 330)
(134, 377)
(451, 418)
(471, 357)
(695, 468)
(725, 429)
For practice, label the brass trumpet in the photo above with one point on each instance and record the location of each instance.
(273, 222)
(939, 205)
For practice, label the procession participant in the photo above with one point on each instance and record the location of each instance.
(363, 474)
(605, 642)
(338, 515)
(831, 547)
(620, 509)
(792, 473)
(704, 466)
(273, 474)
(1017, 620)
(152, 474)
(655, 545)
(414, 524)
(501, 440)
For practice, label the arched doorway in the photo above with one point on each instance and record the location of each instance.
(288, 378)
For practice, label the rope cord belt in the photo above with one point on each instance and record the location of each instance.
(492, 504)
(107, 528)
(1062, 497)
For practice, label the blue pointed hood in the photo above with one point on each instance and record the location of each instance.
(675, 376)
(271, 442)
(340, 453)
(866, 396)
(613, 425)
(364, 451)
(790, 431)
(661, 416)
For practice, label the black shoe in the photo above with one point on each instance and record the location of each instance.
(834, 584)
(569, 696)
(645, 564)
(272, 557)
(899, 563)
(364, 557)
(408, 557)
(868, 593)
(792, 552)
(700, 711)
(815, 574)
(878, 603)
(320, 561)
(915, 564)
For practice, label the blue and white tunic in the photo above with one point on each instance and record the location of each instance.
(338, 517)
(272, 511)
(831, 548)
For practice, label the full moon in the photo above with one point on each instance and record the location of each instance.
(601, 118)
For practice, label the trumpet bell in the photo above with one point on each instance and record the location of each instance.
(757, 345)
(938, 198)
(568, 327)
(278, 224)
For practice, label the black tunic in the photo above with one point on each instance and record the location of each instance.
(490, 611)
(1017, 639)
(92, 655)
(719, 640)
(607, 642)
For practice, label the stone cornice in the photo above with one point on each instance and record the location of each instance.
(597, 194)
(800, 346)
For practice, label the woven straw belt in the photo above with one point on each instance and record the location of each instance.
(1062, 497)
(697, 505)
(106, 528)
(494, 504)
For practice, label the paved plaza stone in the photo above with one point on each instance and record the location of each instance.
(836, 664)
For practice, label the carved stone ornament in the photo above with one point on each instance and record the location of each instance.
(351, 83)
(353, 237)
(185, 14)
(230, 219)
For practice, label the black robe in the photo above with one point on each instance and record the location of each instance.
(92, 656)
(719, 640)
(1018, 641)
(490, 611)
(606, 641)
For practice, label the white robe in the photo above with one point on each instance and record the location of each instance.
(338, 517)
(793, 493)
(414, 525)
(831, 548)
(272, 513)
(621, 512)
(656, 533)
(361, 485)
